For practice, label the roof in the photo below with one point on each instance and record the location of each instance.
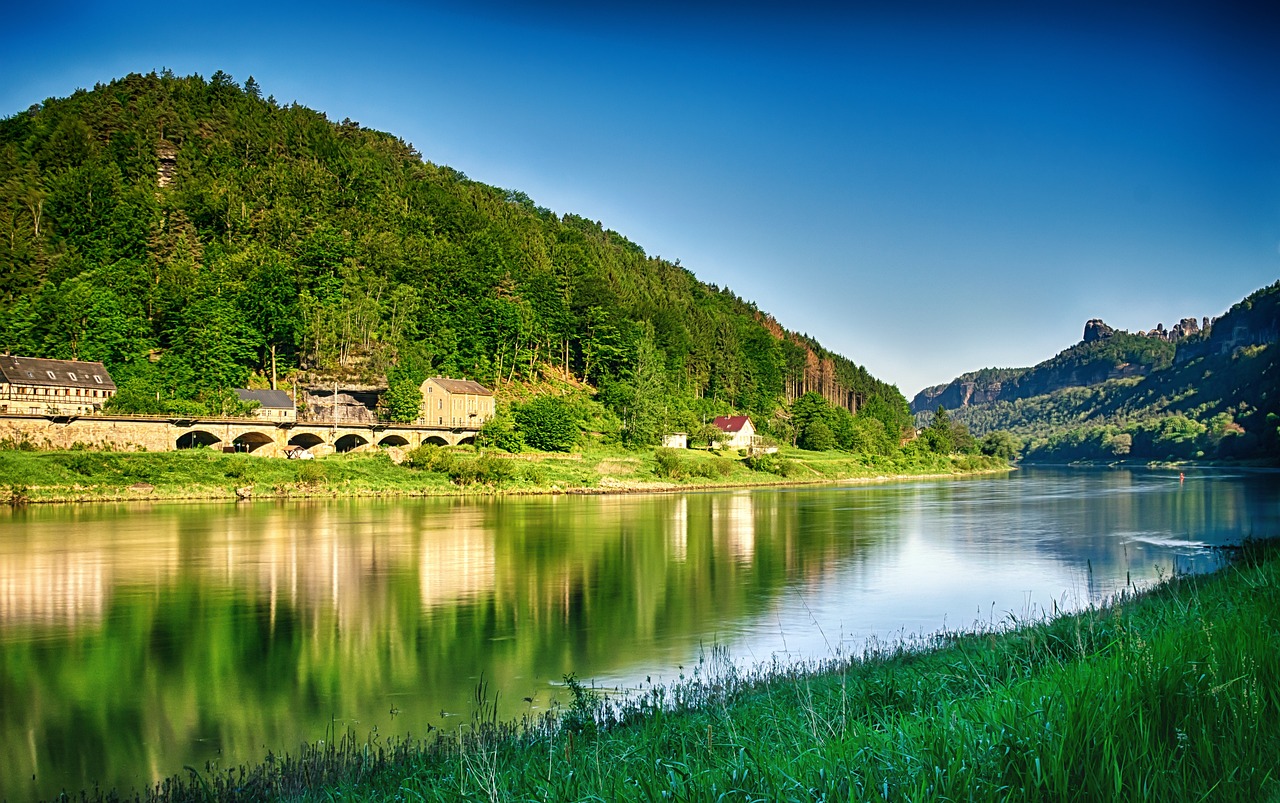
(732, 423)
(270, 399)
(63, 373)
(461, 386)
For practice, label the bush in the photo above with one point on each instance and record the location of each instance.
(547, 423)
(500, 432)
(81, 463)
(771, 464)
(818, 437)
(719, 467)
(673, 465)
(670, 463)
(485, 469)
(310, 473)
(429, 457)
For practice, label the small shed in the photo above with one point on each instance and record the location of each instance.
(676, 440)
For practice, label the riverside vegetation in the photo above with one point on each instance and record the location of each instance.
(33, 477)
(1169, 694)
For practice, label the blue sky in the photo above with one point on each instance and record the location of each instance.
(927, 191)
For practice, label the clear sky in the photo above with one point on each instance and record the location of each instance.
(926, 191)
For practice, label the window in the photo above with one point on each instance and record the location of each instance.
(51, 376)
(97, 379)
(73, 376)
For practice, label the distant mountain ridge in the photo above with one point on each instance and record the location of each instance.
(1190, 391)
(1103, 354)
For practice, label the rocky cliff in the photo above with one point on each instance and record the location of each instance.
(1104, 353)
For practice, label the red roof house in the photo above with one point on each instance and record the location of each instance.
(738, 428)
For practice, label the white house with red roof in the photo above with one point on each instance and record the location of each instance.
(739, 431)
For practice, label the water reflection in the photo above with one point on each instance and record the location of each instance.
(137, 639)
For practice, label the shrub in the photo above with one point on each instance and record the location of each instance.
(81, 463)
(500, 432)
(670, 464)
(310, 473)
(771, 464)
(719, 467)
(485, 469)
(547, 423)
(818, 437)
(429, 457)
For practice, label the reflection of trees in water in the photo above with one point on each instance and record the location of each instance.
(198, 628)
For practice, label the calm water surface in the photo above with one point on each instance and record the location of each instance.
(138, 639)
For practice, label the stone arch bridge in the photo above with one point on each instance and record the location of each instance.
(256, 436)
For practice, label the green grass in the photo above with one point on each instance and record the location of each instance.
(32, 476)
(1173, 695)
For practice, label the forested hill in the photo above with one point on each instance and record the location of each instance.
(192, 233)
(1213, 393)
(1118, 355)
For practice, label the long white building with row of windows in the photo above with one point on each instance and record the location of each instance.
(32, 386)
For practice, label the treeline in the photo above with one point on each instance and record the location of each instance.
(193, 234)
(1216, 396)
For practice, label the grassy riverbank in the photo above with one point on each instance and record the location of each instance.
(1170, 695)
(79, 476)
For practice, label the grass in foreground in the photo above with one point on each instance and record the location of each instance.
(1173, 695)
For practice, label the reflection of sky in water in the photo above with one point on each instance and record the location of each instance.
(976, 553)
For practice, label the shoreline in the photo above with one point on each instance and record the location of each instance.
(18, 494)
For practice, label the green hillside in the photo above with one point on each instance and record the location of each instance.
(1213, 395)
(1120, 355)
(196, 236)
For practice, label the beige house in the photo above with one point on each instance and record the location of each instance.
(32, 386)
(273, 405)
(455, 402)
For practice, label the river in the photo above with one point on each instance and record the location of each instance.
(136, 639)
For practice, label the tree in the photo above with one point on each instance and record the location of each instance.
(500, 432)
(402, 402)
(818, 437)
(707, 434)
(937, 436)
(1000, 444)
(547, 423)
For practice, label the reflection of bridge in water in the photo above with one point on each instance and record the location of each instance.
(258, 436)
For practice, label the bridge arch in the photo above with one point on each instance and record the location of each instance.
(467, 440)
(306, 440)
(435, 440)
(252, 442)
(394, 440)
(349, 442)
(195, 439)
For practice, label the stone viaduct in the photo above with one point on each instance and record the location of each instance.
(265, 438)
